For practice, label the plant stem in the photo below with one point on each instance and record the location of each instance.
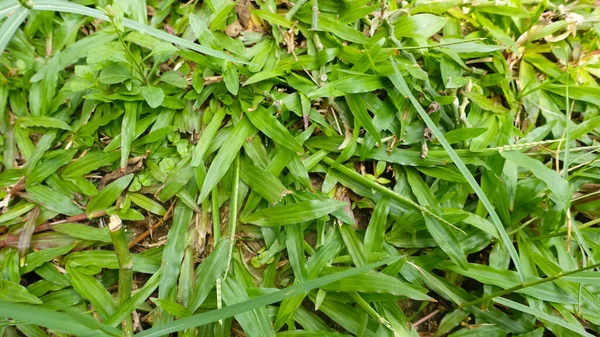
(117, 234)
(233, 206)
(295, 9)
(216, 217)
(527, 285)
(138, 67)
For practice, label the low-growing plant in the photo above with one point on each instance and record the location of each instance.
(316, 168)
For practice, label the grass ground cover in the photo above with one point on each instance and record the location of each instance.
(309, 168)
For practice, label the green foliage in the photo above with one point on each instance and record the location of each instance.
(315, 168)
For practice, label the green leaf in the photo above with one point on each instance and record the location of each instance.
(375, 282)
(208, 134)
(231, 310)
(93, 160)
(154, 96)
(92, 290)
(419, 25)
(83, 232)
(147, 203)
(586, 94)
(42, 121)
(114, 73)
(294, 241)
(377, 225)
(294, 213)
(140, 296)
(73, 324)
(264, 75)
(16, 211)
(359, 111)
(556, 183)
(444, 173)
(272, 128)
(459, 135)
(485, 103)
(208, 272)
(128, 131)
(171, 307)
(231, 77)
(109, 194)
(401, 85)
(15, 293)
(49, 5)
(173, 255)
(38, 258)
(262, 182)
(352, 84)
(225, 157)
(255, 322)
(10, 26)
(49, 167)
(441, 233)
(498, 34)
(578, 329)
(176, 180)
(52, 200)
(273, 18)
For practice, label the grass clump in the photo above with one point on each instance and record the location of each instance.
(330, 168)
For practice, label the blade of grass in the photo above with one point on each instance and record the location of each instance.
(109, 194)
(442, 235)
(255, 322)
(373, 186)
(54, 320)
(229, 311)
(208, 272)
(293, 213)
(69, 7)
(141, 295)
(233, 210)
(377, 225)
(11, 25)
(228, 152)
(539, 314)
(128, 131)
(401, 86)
(172, 257)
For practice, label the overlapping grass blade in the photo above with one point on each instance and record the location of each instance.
(401, 85)
(215, 315)
(46, 5)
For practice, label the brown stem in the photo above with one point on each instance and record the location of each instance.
(145, 234)
(119, 173)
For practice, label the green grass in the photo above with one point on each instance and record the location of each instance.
(315, 168)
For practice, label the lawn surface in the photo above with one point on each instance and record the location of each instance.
(310, 168)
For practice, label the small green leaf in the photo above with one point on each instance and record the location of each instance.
(226, 155)
(294, 213)
(154, 96)
(263, 182)
(114, 73)
(270, 126)
(15, 293)
(109, 194)
(231, 77)
(52, 200)
(42, 121)
(147, 203)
